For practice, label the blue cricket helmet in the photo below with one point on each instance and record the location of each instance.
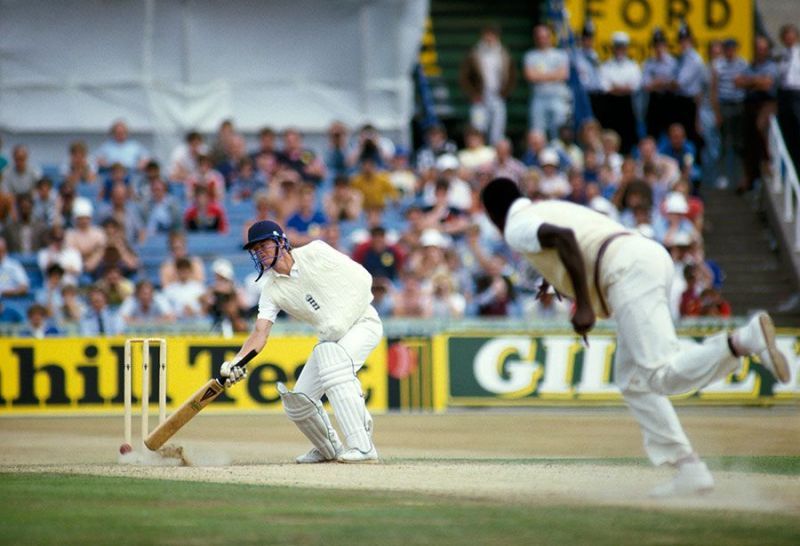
(263, 231)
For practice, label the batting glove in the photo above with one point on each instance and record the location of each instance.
(232, 372)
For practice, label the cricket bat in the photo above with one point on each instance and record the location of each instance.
(200, 399)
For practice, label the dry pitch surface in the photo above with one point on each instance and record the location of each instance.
(503, 456)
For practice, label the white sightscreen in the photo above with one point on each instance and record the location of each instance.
(165, 66)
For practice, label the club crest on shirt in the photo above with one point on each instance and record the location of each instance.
(312, 302)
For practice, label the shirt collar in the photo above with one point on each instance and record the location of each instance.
(293, 273)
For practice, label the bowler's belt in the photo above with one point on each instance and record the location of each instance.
(600, 252)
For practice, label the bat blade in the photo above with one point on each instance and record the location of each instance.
(200, 399)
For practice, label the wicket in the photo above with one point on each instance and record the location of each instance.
(162, 384)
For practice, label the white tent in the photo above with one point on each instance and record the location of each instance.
(166, 66)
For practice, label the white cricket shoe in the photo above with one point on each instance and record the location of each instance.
(315, 456)
(758, 337)
(356, 456)
(692, 479)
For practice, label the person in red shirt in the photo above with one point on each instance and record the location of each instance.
(204, 214)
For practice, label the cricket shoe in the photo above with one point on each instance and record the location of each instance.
(315, 456)
(758, 337)
(692, 478)
(356, 456)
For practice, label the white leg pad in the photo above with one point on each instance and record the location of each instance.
(338, 378)
(312, 420)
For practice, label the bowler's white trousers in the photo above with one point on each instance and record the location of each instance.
(358, 342)
(651, 363)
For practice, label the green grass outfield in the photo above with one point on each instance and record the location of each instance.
(71, 509)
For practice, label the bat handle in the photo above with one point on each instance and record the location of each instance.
(243, 362)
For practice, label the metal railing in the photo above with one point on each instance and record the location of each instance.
(784, 179)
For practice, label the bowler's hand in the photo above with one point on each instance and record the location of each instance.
(583, 319)
(232, 373)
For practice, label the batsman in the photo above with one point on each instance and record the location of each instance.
(612, 272)
(322, 287)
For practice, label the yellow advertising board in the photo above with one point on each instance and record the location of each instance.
(84, 375)
(708, 19)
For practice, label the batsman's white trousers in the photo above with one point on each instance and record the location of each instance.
(358, 342)
(651, 363)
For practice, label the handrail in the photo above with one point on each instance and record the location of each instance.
(784, 179)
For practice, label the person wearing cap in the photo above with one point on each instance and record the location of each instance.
(222, 292)
(547, 71)
(85, 237)
(658, 79)
(611, 272)
(587, 63)
(324, 288)
(621, 78)
(761, 84)
(789, 91)
(436, 144)
(727, 100)
(691, 78)
(674, 223)
(487, 77)
(552, 184)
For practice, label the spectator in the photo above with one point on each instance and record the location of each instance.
(223, 143)
(145, 306)
(184, 158)
(553, 184)
(665, 169)
(379, 257)
(565, 145)
(674, 221)
(577, 187)
(115, 285)
(382, 296)
(658, 79)
(401, 175)
(79, 168)
(38, 326)
(760, 83)
(690, 79)
(436, 144)
(300, 159)
(57, 252)
(370, 141)
(247, 181)
(228, 167)
(68, 314)
(125, 212)
(99, 319)
(13, 278)
(476, 153)
(682, 150)
(587, 64)
(547, 70)
(22, 177)
(222, 292)
(611, 157)
(25, 234)
(47, 206)
(117, 253)
(306, 224)
(789, 92)
(505, 164)
(494, 292)
(446, 302)
(209, 178)
(86, 238)
(168, 272)
(267, 144)
(411, 300)
(441, 214)
(336, 152)
(6, 206)
(185, 294)
(232, 319)
(204, 214)
(49, 295)
(727, 98)
(374, 185)
(712, 304)
(621, 78)
(117, 175)
(690, 305)
(119, 148)
(536, 144)
(487, 78)
(162, 213)
(459, 192)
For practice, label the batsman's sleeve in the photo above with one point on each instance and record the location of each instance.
(522, 229)
(267, 308)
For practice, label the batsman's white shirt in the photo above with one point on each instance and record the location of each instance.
(325, 289)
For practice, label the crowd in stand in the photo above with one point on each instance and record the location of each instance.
(412, 218)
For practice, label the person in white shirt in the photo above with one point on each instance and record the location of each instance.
(552, 184)
(621, 78)
(611, 272)
(789, 92)
(547, 71)
(185, 294)
(183, 160)
(320, 286)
